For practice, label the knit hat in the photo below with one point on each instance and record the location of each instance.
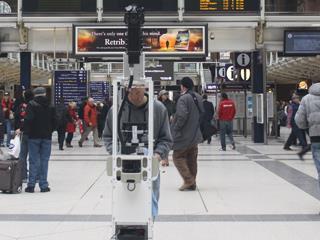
(163, 92)
(187, 83)
(39, 91)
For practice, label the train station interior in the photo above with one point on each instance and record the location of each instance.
(260, 52)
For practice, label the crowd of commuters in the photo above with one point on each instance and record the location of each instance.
(32, 117)
(179, 126)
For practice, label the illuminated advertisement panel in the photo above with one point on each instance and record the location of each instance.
(157, 40)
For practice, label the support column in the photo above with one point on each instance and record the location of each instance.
(25, 70)
(257, 89)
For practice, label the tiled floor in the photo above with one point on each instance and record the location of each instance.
(255, 192)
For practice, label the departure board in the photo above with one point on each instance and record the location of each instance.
(59, 6)
(71, 85)
(149, 5)
(302, 43)
(99, 90)
(222, 5)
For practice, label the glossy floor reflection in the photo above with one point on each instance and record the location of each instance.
(254, 192)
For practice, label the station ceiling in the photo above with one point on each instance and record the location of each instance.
(10, 73)
(292, 70)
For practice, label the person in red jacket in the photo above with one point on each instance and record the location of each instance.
(71, 125)
(90, 119)
(226, 114)
(7, 105)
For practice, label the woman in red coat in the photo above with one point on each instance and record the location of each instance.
(71, 125)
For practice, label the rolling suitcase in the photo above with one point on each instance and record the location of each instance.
(10, 176)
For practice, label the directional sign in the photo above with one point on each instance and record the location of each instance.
(245, 74)
(71, 85)
(221, 72)
(230, 72)
(243, 60)
(99, 90)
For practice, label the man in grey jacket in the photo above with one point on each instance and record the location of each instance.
(308, 116)
(136, 111)
(186, 134)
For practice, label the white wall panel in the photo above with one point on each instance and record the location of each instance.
(43, 40)
(231, 39)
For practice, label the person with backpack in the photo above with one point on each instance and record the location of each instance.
(226, 114)
(62, 120)
(186, 134)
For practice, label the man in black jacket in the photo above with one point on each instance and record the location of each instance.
(62, 120)
(40, 122)
(208, 113)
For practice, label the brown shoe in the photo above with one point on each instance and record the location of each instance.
(187, 187)
(97, 145)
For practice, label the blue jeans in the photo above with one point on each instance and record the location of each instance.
(226, 127)
(8, 126)
(39, 155)
(315, 147)
(155, 196)
(24, 150)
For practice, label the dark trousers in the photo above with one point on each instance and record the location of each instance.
(296, 133)
(24, 151)
(226, 128)
(185, 161)
(39, 155)
(69, 138)
(61, 136)
(1, 133)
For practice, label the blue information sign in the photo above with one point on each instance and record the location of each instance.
(71, 85)
(99, 90)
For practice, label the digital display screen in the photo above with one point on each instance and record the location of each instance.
(222, 5)
(161, 70)
(149, 5)
(302, 43)
(71, 85)
(59, 5)
(99, 90)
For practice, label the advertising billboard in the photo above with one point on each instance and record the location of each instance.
(157, 40)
